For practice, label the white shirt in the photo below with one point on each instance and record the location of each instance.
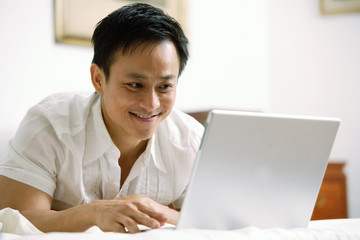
(63, 148)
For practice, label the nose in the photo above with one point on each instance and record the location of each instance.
(150, 100)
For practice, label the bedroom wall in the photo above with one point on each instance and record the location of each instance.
(280, 57)
(34, 66)
(228, 64)
(314, 69)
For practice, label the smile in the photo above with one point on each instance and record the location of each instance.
(145, 117)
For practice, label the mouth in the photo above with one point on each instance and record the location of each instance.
(145, 118)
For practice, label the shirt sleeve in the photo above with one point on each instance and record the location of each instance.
(32, 154)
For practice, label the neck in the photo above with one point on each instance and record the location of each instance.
(127, 145)
(132, 150)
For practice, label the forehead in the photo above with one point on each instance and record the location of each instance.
(145, 48)
(139, 46)
(147, 56)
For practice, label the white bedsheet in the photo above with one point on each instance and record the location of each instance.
(14, 226)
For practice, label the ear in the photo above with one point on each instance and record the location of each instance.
(98, 78)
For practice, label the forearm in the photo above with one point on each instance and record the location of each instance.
(76, 219)
(108, 215)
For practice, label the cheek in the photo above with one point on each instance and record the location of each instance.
(121, 99)
(169, 100)
(114, 105)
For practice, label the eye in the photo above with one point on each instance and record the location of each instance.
(166, 87)
(134, 85)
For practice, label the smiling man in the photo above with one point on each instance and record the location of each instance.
(116, 158)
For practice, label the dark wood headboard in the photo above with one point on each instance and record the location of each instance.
(200, 116)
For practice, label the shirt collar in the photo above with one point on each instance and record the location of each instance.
(156, 153)
(98, 140)
(151, 153)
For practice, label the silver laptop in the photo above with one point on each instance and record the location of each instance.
(256, 169)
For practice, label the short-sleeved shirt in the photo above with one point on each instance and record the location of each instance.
(63, 148)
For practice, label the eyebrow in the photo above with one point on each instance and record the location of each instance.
(141, 76)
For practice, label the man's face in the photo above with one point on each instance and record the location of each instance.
(140, 91)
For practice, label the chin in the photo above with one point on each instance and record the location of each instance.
(145, 136)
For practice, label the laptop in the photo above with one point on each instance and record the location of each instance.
(256, 169)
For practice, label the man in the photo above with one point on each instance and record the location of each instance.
(119, 157)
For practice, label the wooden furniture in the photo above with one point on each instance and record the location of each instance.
(331, 202)
(200, 116)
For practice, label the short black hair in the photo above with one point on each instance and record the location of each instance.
(131, 26)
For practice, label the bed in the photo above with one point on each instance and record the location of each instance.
(15, 226)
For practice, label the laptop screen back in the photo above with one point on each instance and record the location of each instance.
(256, 169)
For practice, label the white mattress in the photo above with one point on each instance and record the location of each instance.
(14, 226)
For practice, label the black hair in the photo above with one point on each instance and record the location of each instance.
(131, 26)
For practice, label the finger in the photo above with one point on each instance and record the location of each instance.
(151, 208)
(114, 227)
(134, 216)
(131, 226)
(146, 220)
(126, 224)
(120, 222)
(132, 211)
(154, 211)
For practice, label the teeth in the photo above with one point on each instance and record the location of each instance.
(143, 116)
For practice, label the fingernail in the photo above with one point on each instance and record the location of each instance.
(155, 224)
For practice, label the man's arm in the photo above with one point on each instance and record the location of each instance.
(108, 215)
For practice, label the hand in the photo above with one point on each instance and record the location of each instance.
(128, 212)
